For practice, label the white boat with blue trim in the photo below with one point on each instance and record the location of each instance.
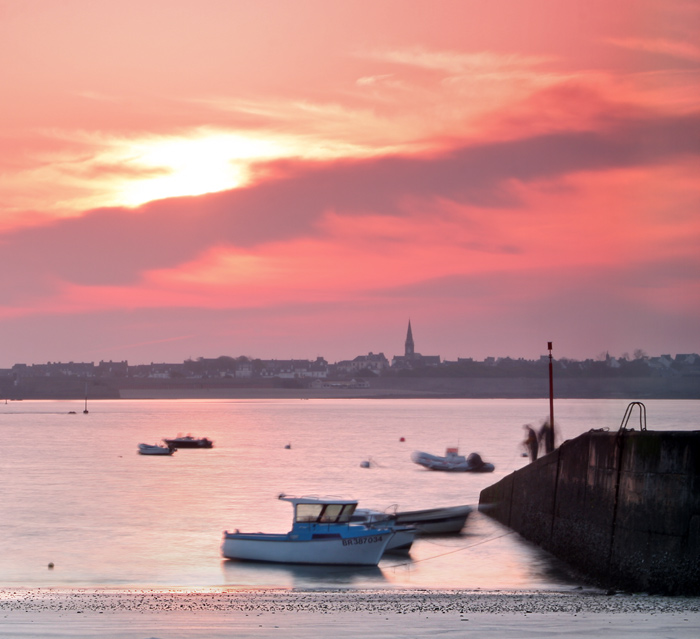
(321, 534)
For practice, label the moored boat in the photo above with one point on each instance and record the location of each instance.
(453, 462)
(403, 537)
(435, 521)
(321, 533)
(155, 449)
(187, 441)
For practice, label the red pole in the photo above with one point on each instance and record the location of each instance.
(550, 434)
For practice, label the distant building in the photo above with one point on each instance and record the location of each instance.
(56, 369)
(611, 362)
(244, 369)
(113, 369)
(294, 368)
(166, 371)
(375, 362)
(353, 383)
(410, 350)
(410, 359)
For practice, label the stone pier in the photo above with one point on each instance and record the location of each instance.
(622, 508)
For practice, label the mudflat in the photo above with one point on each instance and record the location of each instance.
(219, 613)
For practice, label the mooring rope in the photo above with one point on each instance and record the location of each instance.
(451, 552)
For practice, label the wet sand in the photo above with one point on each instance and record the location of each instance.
(215, 614)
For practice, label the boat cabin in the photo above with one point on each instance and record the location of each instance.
(312, 510)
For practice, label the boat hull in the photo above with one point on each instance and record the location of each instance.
(145, 449)
(364, 550)
(435, 521)
(403, 537)
(189, 443)
(453, 463)
(402, 541)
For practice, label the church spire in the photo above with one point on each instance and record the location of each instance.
(409, 342)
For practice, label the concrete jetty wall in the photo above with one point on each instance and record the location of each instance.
(622, 508)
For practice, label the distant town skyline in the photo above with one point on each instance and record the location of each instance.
(368, 365)
(409, 353)
(295, 179)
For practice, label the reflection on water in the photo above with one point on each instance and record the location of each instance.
(242, 573)
(76, 494)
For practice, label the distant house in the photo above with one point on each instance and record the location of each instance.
(244, 370)
(318, 369)
(375, 362)
(372, 362)
(611, 362)
(662, 366)
(113, 369)
(353, 383)
(165, 371)
(688, 364)
(56, 369)
(294, 368)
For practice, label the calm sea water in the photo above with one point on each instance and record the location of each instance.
(76, 493)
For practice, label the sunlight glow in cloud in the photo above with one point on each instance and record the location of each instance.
(491, 170)
(191, 165)
(457, 62)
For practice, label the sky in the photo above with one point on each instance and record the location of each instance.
(274, 179)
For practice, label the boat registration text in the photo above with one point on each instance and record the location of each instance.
(361, 540)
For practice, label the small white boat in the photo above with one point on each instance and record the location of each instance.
(453, 462)
(403, 535)
(321, 534)
(155, 449)
(435, 521)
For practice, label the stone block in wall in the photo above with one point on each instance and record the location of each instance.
(602, 479)
(576, 533)
(496, 500)
(532, 509)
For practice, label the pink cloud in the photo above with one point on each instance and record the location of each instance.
(673, 48)
(450, 165)
(115, 246)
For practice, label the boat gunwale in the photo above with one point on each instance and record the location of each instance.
(450, 512)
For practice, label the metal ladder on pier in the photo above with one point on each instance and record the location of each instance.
(628, 414)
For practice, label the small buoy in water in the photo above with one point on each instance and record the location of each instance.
(403, 439)
(288, 446)
(364, 464)
(51, 565)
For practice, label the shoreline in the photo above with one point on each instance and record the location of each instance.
(379, 388)
(329, 600)
(343, 614)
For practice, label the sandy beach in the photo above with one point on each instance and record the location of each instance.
(215, 614)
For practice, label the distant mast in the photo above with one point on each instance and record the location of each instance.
(85, 412)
